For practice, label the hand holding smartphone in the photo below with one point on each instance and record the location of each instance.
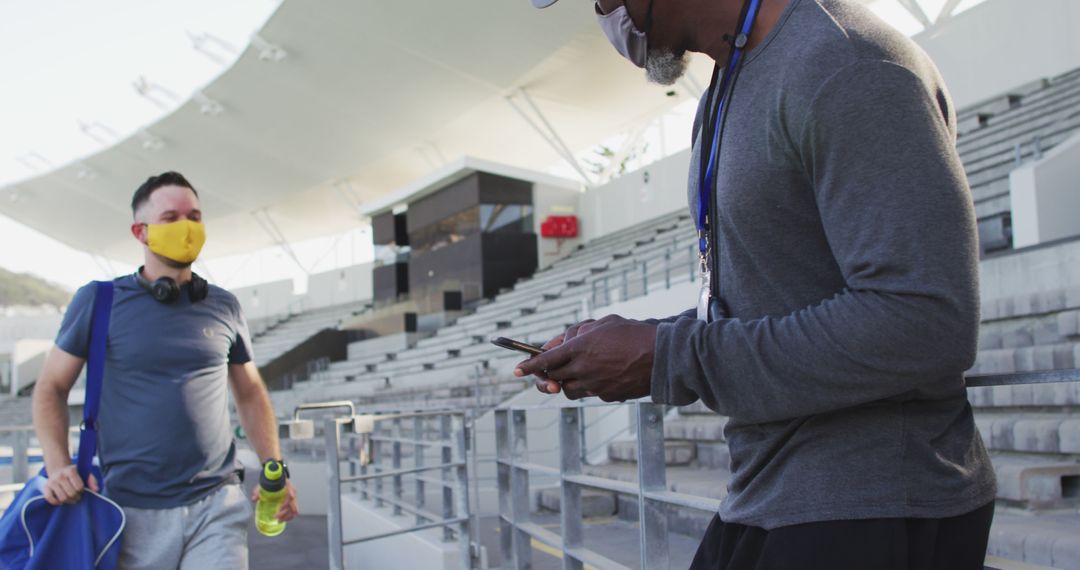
(511, 344)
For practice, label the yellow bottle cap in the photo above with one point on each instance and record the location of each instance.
(272, 470)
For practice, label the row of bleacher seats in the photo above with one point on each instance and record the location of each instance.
(287, 333)
(1000, 134)
(535, 310)
(994, 138)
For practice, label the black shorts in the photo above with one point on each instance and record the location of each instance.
(957, 543)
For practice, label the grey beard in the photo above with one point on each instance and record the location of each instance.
(664, 67)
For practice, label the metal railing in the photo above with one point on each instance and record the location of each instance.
(378, 446)
(651, 489)
(22, 439)
(19, 438)
(674, 265)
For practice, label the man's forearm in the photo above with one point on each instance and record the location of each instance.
(257, 418)
(687, 314)
(51, 425)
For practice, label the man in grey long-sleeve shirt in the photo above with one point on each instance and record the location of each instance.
(848, 268)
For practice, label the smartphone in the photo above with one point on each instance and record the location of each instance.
(530, 349)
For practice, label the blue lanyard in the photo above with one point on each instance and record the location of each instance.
(708, 185)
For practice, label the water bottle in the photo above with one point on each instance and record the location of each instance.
(271, 494)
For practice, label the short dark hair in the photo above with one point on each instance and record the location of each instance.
(170, 178)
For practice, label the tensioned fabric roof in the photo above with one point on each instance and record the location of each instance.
(340, 102)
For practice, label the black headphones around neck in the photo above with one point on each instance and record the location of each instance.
(166, 290)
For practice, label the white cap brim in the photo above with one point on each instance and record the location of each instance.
(543, 3)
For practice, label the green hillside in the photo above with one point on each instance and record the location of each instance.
(26, 289)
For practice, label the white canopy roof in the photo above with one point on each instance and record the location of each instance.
(338, 103)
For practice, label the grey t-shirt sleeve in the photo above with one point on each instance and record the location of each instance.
(878, 150)
(74, 335)
(687, 314)
(241, 352)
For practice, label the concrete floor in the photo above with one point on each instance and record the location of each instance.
(613, 538)
(302, 546)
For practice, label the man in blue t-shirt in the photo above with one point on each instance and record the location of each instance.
(164, 439)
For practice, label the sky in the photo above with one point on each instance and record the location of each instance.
(70, 70)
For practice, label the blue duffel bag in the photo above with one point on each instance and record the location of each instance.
(83, 536)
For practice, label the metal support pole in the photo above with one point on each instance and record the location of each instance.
(570, 506)
(20, 464)
(667, 269)
(333, 519)
(447, 490)
(474, 480)
(365, 446)
(353, 459)
(652, 477)
(519, 489)
(418, 462)
(376, 463)
(693, 263)
(581, 435)
(396, 465)
(644, 278)
(502, 467)
(461, 490)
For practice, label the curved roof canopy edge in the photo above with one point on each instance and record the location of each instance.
(370, 97)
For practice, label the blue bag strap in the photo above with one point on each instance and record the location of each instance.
(95, 375)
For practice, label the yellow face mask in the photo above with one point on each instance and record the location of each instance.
(180, 241)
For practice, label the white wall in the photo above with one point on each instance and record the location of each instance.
(1001, 44)
(21, 327)
(1045, 197)
(555, 201)
(644, 194)
(340, 286)
(267, 299)
(24, 340)
(28, 358)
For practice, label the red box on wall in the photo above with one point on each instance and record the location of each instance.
(559, 227)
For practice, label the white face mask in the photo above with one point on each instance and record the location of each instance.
(620, 30)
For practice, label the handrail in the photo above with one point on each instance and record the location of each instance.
(1040, 377)
(653, 495)
(367, 468)
(324, 406)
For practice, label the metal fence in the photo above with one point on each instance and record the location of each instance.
(676, 264)
(22, 440)
(378, 447)
(651, 489)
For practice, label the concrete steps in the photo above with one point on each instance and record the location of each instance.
(681, 479)
(16, 411)
(1061, 356)
(1049, 540)
(691, 428)
(1038, 482)
(1039, 395)
(1035, 433)
(675, 452)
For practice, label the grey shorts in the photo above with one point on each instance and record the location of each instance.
(211, 533)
